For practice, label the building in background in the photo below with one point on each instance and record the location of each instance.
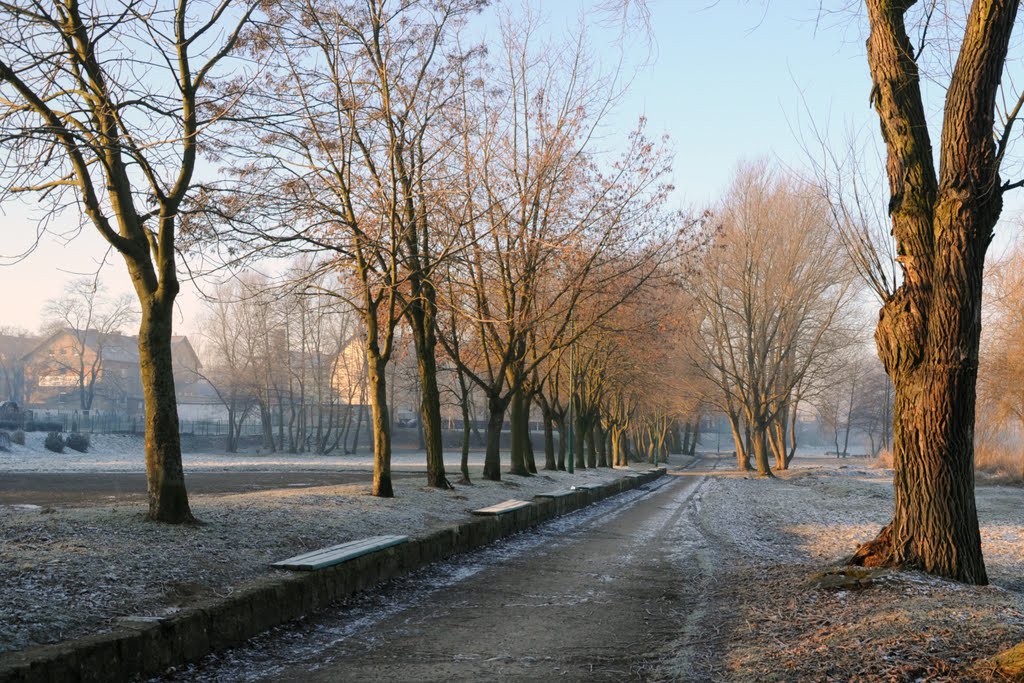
(86, 370)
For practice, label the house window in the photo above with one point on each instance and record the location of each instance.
(63, 350)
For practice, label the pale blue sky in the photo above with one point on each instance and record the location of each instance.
(728, 81)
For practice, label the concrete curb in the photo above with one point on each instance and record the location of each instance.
(149, 647)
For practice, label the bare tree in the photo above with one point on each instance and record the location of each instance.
(90, 318)
(771, 292)
(354, 153)
(929, 327)
(549, 227)
(1001, 367)
(871, 414)
(83, 128)
(230, 357)
(12, 370)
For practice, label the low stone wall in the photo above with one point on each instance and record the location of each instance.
(146, 646)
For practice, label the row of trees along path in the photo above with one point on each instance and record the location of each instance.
(420, 178)
(433, 181)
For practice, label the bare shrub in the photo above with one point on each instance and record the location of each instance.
(883, 461)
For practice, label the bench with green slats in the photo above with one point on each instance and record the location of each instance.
(336, 554)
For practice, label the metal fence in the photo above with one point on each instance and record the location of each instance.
(116, 423)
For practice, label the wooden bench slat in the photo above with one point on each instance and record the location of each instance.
(354, 546)
(336, 554)
(560, 493)
(502, 508)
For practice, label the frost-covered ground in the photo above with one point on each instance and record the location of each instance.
(69, 571)
(751, 550)
(763, 546)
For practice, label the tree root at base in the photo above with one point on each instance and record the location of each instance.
(875, 553)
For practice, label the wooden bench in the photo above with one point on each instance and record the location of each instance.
(502, 508)
(336, 554)
(560, 493)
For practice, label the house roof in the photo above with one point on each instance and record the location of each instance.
(117, 348)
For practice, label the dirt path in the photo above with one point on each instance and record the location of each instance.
(708, 577)
(591, 597)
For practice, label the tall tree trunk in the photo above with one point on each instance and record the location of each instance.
(616, 446)
(346, 425)
(696, 436)
(591, 447)
(662, 445)
(792, 434)
(928, 331)
(165, 477)
(549, 433)
(531, 460)
(849, 419)
(466, 427)
(563, 440)
(742, 454)
(360, 419)
(686, 438)
(577, 445)
(425, 340)
(759, 444)
(519, 415)
(598, 438)
(382, 487)
(231, 446)
(495, 420)
(777, 440)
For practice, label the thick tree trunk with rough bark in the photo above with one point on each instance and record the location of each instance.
(928, 331)
(777, 441)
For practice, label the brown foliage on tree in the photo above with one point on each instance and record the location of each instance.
(772, 295)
